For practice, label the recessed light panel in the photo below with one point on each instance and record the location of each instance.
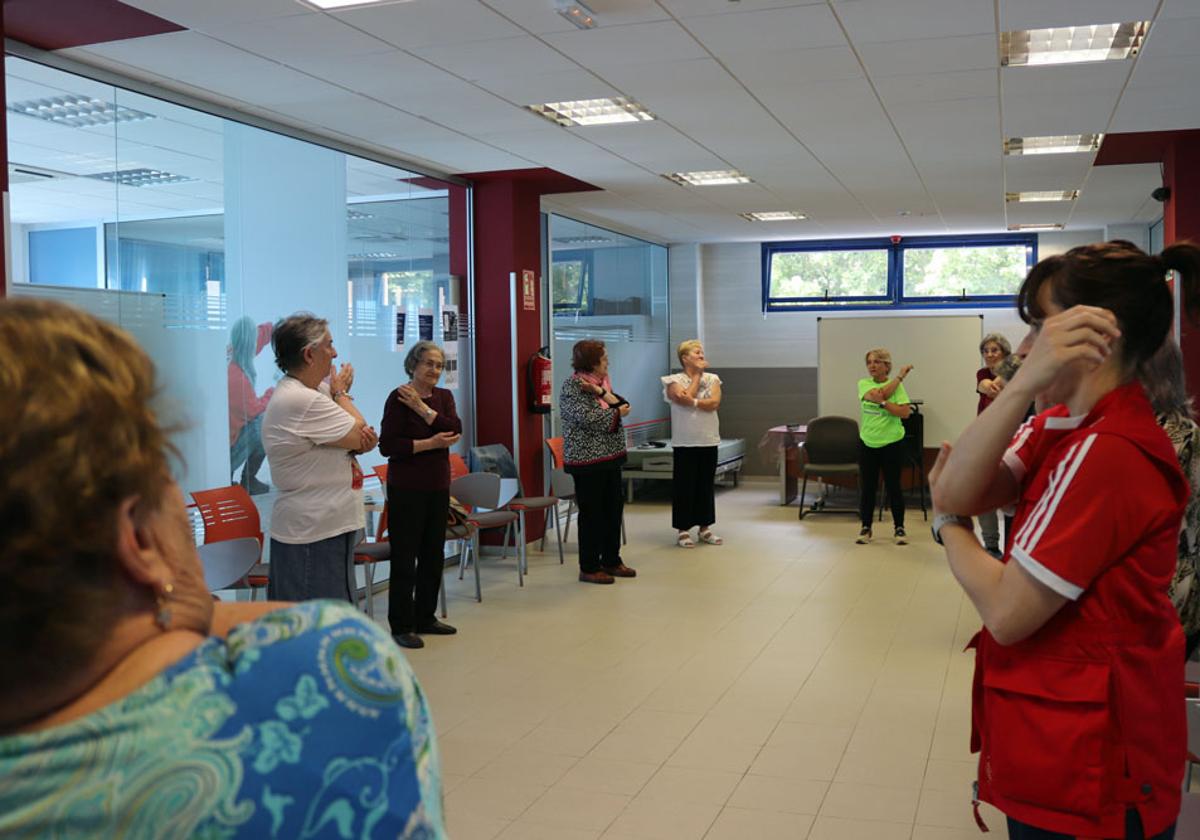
(1072, 44)
(334, 5)
(593, 111)
(1042, 195)
(1033, 227)
(708, 178)
(140, 177)
(78, 111)
(774, 216)
(577, 12)
(1054, 144)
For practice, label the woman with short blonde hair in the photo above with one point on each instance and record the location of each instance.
(694, 396)
(884, 404)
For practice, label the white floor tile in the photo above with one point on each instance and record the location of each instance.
(789, 684)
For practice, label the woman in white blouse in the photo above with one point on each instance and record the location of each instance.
(695, 396)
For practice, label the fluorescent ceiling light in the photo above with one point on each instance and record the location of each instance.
(1042, 195)
(576, 11)
(327, 5)
(582, 240)
(593, 111)
(708, 178)
(356, 215)
(1072, 44)
(78, 111)
(774, 216)
(140, 177)
(1053, 144)
(1038, 226)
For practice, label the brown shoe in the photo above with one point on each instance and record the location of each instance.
(620, 570)
(596, 577)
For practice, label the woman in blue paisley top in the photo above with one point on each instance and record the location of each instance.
(133, 706)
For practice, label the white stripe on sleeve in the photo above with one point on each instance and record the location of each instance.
(1081, 450)
(1060, 585)
(1039, 509)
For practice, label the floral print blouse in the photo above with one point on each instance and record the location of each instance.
(305, 723)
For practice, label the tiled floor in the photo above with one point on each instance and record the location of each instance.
(789, 684)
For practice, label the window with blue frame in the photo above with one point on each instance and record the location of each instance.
(928, 271)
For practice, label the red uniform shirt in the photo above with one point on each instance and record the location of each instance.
(1085, 718)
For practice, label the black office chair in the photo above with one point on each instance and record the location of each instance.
(830, 448)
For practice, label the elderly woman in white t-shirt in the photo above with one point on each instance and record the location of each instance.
(311, 432)
(695, 396)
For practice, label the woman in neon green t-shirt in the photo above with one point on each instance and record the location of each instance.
(883, 403)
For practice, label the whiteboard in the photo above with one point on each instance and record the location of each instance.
(944, 353)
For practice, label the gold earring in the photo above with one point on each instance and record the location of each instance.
(163, 616)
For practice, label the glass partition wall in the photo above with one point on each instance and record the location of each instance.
(196, 233)
(608, 286)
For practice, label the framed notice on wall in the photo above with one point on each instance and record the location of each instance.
(529, 290)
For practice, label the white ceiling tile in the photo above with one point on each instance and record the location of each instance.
(617, 47)
(524, 55)
(1060, 100)
(1159, 108)
(898, 91)
(1040, 14)
(1046, 172)
(310, 36)
(789, 67)
(1164, 71)
(888, 20)
(1176, 37)
(1176, 9)
(654, 145)
(425, 24)
(199, 16)
(930, 55)
(537, 88)
(797, 27)
(539, 16)
(200, 61)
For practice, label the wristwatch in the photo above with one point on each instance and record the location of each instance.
(942, 519)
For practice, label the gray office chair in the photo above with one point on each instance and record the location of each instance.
(495, 458)
(227, 562)
(830, 449)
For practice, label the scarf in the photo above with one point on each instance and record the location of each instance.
(593, 379)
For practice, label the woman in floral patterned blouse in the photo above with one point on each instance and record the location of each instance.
(134, 707)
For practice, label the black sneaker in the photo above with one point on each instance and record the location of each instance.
(901, 537)
(437, 628)
(864, 536)
(408, 640)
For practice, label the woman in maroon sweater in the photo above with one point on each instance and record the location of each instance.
(419, 426)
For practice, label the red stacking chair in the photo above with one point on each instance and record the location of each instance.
(228, 513)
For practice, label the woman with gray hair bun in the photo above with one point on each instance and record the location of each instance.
(999, 365)
(419, 426)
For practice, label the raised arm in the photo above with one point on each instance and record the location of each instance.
(885, 391)
(582, 410)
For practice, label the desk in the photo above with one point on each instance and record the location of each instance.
(787, 440)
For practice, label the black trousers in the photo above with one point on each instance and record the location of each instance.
(871, 460)
(600, 501)
(417, 532)
(1133, 830)
(693, 473)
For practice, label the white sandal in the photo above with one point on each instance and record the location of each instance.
(684, 540)
(709, 537)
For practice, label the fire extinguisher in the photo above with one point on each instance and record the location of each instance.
(541, 381)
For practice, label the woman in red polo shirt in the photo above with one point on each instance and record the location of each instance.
(1078, 699)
